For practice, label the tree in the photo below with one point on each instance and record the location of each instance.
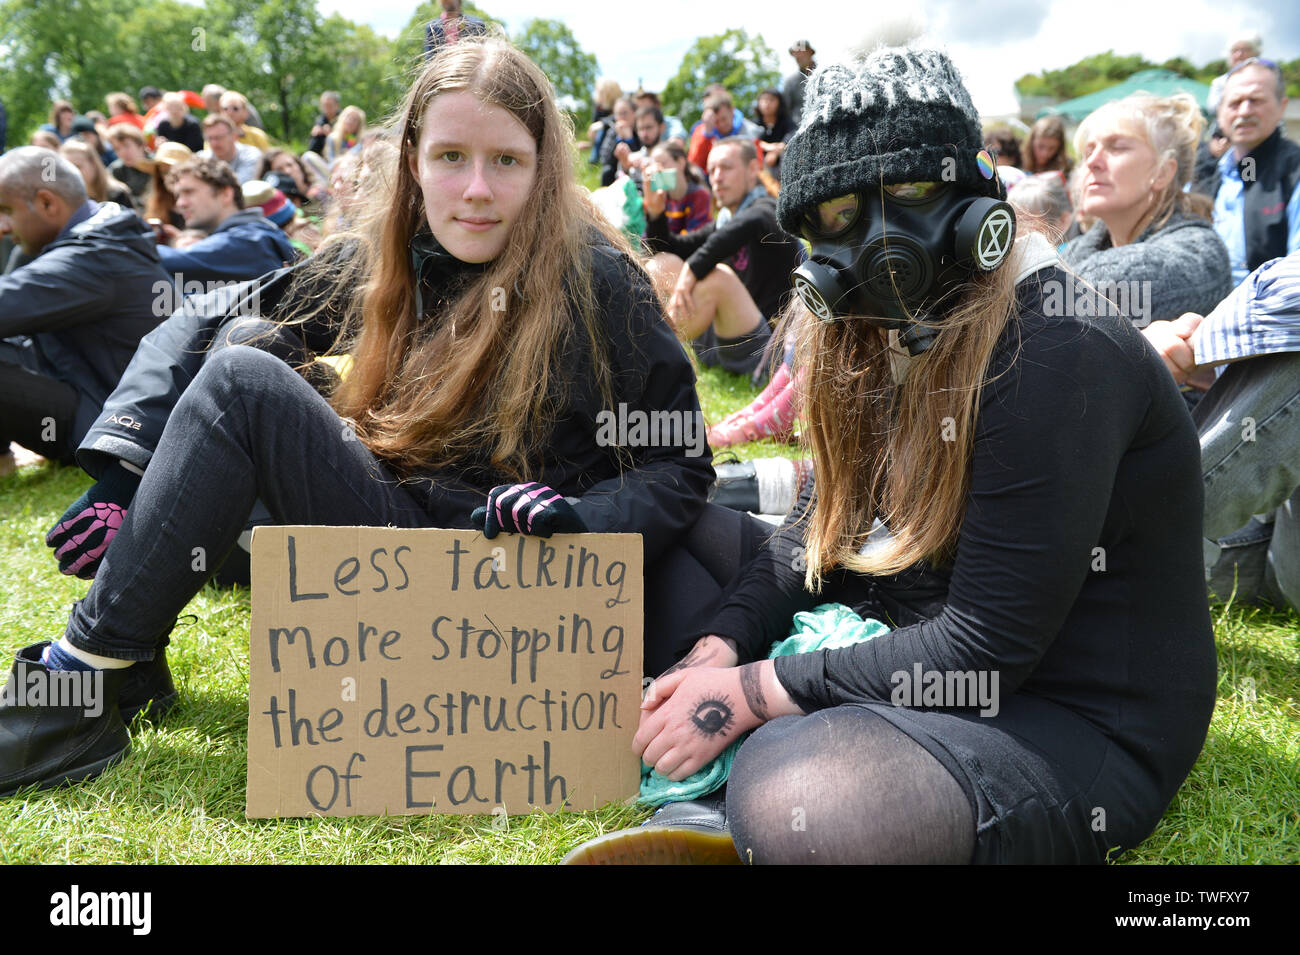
(58, 48)
(744, 65)
(362, 68)
(1090, 74)
(552, 46)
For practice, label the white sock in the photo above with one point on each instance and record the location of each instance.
(94, 659)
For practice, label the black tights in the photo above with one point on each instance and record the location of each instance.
(845, 786)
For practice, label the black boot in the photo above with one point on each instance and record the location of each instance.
(44, 744)
(680, 833)
(147, 688)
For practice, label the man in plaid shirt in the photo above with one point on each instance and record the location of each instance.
(1246, 356)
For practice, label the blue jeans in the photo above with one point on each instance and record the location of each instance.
(1249, 425)
(248, 427)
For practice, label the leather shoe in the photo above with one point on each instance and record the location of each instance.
(47, 733)
(147, 688)
(693, 832)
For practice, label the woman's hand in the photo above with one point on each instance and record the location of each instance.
(653, 201)
(1173, 343)
(530, 508)
(691, 715)
(621, 152)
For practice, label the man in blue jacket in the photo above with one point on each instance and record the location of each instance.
(72, 316)
(241, 244)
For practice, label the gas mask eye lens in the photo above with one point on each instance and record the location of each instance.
(913, 191)
(833, 216)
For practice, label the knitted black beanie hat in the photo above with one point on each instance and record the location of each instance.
(899, 116)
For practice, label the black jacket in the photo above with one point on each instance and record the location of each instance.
(80, 308)
(659, 495)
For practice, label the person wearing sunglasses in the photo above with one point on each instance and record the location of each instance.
(983, 487)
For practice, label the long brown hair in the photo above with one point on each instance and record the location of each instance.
(900, 452)
(1049, 127)
(100, 181)
(484, 381)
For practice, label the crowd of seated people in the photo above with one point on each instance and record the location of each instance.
(1109, 214)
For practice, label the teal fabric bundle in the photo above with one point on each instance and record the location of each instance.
(826, 627)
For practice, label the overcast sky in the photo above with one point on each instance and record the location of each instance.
(993, 42)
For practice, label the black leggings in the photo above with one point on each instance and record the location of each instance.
(844, 785)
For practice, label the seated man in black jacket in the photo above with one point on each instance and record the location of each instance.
(71, 317)
(725, 309)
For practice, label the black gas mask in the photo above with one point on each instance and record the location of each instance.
(900, 258)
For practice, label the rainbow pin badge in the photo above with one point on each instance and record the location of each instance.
(988, 167)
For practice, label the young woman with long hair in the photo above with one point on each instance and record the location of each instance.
(1045, 149)
(346, 134)
(1014, 491)
(161, 204)
(453, 402)
(101, 185)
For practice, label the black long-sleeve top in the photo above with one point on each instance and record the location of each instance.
(751, 242)
(1078, 571)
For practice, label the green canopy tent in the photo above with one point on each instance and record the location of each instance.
(1156, 82)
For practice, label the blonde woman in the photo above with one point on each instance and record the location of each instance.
(346, 134)
(984, 475)
(1153, 248)
(455, 404)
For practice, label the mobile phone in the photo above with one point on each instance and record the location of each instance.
(664, 179)
(157, 226)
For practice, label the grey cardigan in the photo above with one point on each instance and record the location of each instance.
(1180, 267)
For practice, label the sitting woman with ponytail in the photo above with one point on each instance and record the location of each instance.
(984, 469)
(1153, 244)
(453, 404)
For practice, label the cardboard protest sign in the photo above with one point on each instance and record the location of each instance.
(419, 671)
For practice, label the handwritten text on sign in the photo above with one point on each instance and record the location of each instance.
(415, 671)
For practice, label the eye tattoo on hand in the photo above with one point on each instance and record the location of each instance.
(713, 717)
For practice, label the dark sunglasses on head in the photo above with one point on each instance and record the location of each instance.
(1256, 61)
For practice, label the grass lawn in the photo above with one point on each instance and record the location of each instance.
(179, 796)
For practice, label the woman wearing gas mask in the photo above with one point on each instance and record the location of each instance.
(983, 475)
(1153, 251)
